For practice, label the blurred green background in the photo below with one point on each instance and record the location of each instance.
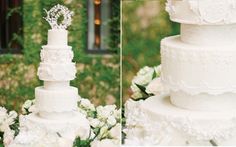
(97, 75)
(144, 24)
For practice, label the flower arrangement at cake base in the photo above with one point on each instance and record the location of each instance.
(145, 84)
(104, 128)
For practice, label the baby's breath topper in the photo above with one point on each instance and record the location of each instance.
(59, 17)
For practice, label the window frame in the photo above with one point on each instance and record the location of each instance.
(92, 50)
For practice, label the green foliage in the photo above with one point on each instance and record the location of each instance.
(114, 40)
(143, 30)
(81, 143)
(97, 76)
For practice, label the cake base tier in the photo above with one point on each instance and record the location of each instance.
(189, 127)
(34, 129)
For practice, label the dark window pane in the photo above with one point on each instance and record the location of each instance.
(10, 26)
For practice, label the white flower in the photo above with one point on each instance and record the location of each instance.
(27, 106)
(11, 118)
(82, 111)
(104, 132)
(103, 112)
(111, 120)
(117, 114)
(155, 87)
(105, 143)
(3, 114)
(8, 136)
(85, 103)
(115, 132)
(95, 122)
(83, 133)
(144, 76)
(6, 119)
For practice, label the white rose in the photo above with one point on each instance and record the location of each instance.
(8, 137)
(3, 114)
(155, 87)
(27, 104)
(111, 120)
(94, 122)
(105, 143)
(117, 114)
(83, 133)
(145, 70)
(115, 132)
(106, 111)
(143, 77)
(10, 118)
(103, 132)
(87, 104)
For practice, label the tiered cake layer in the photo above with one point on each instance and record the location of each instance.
(176, 126)
(195, 72)
(57, 37)
(208, 35)
(202, 11)
(56, 72)
(56, 100)
(33, 129)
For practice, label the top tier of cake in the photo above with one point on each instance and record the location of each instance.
(57, 37)
(202, 12)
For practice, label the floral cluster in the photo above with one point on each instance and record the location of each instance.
(104, 122)
(55, 13)
(28, 107)
(147, 83)
(138, 129)
(8, 122)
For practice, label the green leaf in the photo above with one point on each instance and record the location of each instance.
(81, 143)
(142, 88)
(154, 75)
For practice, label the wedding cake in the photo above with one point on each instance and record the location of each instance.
(198, 68)
(55, 101)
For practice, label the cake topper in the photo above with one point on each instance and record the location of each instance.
(59, 17)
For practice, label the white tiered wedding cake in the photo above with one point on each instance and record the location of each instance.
(56, 102)
(198, 67)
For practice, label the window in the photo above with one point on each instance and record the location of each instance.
(10, 26)
(99, 16)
